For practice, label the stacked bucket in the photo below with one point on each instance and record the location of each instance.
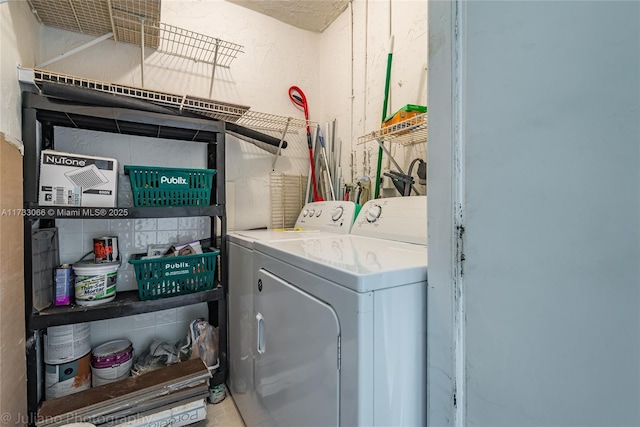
(71, 366)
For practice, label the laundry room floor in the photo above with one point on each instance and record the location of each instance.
(224, 414)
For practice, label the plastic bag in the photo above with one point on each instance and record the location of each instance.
(202, 342)
(158, 355)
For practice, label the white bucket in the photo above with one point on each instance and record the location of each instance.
(68, 378)
(111, 362)
(95, 283)
(66, 343)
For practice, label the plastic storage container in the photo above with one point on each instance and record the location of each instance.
(161, 186)
(95, 283)
(176, 275)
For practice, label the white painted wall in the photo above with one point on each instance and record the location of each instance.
(19, 45)
(545, 133)
(353, 63)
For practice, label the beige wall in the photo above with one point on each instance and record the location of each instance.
(13, 392)
(19, 45)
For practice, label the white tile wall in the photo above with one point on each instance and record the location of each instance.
(76, 236)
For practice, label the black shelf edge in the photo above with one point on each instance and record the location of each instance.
(126, 303)
(35, 211)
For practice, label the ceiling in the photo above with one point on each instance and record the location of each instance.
(312, 15)
(122, 17)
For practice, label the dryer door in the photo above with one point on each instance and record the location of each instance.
(297, 374)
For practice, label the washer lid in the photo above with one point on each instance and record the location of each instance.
(357, 262)
(248, 237)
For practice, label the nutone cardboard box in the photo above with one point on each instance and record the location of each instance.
(68, 179)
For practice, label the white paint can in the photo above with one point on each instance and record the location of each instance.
(67, 378)
(111, 362)
(95, 283)
(66, 343)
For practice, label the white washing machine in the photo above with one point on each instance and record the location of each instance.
(341, 322)
(315, 219)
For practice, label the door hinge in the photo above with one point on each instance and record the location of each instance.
(460, 247)
(339, 352)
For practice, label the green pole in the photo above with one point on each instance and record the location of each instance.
(384, 116)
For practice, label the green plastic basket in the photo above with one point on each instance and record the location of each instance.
(160, 186)
(176, 275)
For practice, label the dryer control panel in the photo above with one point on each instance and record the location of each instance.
(331, 216)
(403, 219)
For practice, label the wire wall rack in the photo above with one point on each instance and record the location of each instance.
(265, 121)
(229, 112)
(196, 46)
(213, 109)
(138, 22)
(410, 131)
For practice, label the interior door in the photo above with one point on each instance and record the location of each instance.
(297, 374)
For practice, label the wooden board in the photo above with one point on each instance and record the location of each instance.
(127, 391)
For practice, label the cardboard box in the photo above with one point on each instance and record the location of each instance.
(13, 382)
(68, 179)
(405, 113)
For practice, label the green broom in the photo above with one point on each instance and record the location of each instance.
(384, 115)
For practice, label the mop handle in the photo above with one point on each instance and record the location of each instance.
(297, 97)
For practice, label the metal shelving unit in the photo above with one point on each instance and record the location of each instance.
(126, 303)
(35, 211)
(40, 115)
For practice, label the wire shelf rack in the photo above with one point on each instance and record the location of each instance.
(407, 132)
(210, 108)
(229, 112)
(83, 16)
(266, 122)
(125, 19)
(197, 47)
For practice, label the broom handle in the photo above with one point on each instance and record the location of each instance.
(384, 116)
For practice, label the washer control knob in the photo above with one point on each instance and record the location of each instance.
(311, 212)
(318, 213)
(337, 213)
(373, 213)
(305, 213)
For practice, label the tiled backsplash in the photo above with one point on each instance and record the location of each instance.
(76, 235)
(134, 235)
